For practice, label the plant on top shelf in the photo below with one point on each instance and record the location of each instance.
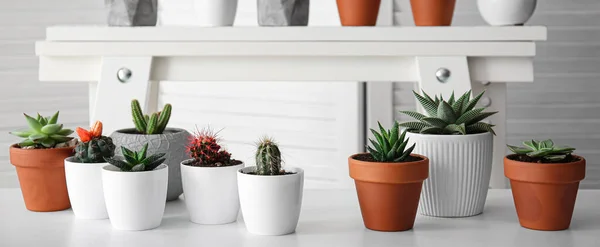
(549, 173)
(452, 117)
(390, 145)
(205, 150)
(152, 124)
(94, 147)
(137, 161)
(44, 132)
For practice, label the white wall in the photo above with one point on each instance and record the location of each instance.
(563, 103)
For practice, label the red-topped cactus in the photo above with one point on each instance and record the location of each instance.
(204, 148)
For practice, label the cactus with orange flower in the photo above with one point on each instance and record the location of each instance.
(94, 147)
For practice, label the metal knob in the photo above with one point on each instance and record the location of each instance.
(486, 101)
(124, 74)
(442, 75)
(485, 83)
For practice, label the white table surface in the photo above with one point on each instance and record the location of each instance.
(329, 218)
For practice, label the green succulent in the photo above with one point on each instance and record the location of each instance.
(543, 150)
(43, 132)
(137, 161)
(389, 145)
(154, 123)
(95, 150)
(268, 158)
(452, 117)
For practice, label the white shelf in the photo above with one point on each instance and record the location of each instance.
(329, 218)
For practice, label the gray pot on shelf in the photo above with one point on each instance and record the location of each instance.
(172, 141)
(283, 12)
(129, 13)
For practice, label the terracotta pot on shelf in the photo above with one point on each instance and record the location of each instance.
(432, 12)
(41, 175)
(389, 193)
(544, 194)
(358, 12)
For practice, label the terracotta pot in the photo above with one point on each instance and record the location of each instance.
(358, 12)
(544, 194)
(432, 12)
(389, 193)
(41, 174)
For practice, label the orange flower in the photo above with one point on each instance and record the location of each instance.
(95, 131)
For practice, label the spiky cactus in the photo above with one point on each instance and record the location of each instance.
(204, 148)
(44, 132)
(268, 158)
(154, 123)
(94, 147)
(452, 117)
(390, 145)
(137, 161)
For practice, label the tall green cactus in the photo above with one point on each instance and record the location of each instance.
(268, 158)
(156, 123)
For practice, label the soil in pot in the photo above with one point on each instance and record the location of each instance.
(433, 12)
(388, 193)
(358, 12)
(544, 193)
(41, 175)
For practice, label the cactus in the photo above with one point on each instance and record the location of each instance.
(268, 158)
(204, 148)
(452, 117)
(44, 132)
(94, 147)
(543, 150)
(137, 161)
(152, 124)
(390, 145)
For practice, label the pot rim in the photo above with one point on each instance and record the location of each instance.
(446, 137)
(211, 168)
(71, 159)
(298, 172)
(548, 173)
(157, 169)
(16, 148)
(126, 130)
(389, 172)
(17, 157)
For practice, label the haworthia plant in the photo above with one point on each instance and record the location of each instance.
(451, 117)
(268, 158)
(156, 123)
(43, 132)
(390, 145)
(137, 161)
(542, 149)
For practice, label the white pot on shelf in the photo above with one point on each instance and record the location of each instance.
(84, 183)
(460, 167)
(135, 201)
(271, 204)
(506, 12)
(207, 13)
(211, 193)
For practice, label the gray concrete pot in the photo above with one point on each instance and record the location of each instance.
(283, 12)
(173, 142)
(132, 12)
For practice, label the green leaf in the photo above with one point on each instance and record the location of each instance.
(415, 115)
(51, 128)
(384, 133)
(378, 137)
(41, 119)
(451, 99)
(33, 123)
(375, 145)
(138, 168)
(118, 163)
(564, 149)
(48, 143)
(38, 136)
(407, 153)
(376, 155)
(433, 121)
(518, 150)
(141, 155)
(127, 152)
(152, 158)
(64, 132)
(394, 133)
(457, 106)
(470, 115)
(480, 127)
(60, 138)
(429, 106)
(471, 104)
(539, 153)
(413, 125)
(445, 112)
(26, 143)
(531, 144)
(54, 118)
(155, 164)
(480, 117)
(22, 134)
(431, 130)
(547, 143)
(453, 128)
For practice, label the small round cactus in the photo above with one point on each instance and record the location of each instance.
(94, 147)
(204, 148)
(268, 158)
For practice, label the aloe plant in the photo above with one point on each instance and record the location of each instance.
(43, 132)
(154, 123)
(544, 150)
(137, 161)
(268, 158)
(452, 117)
(389, 145)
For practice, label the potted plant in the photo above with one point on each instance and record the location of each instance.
(153, 129)
(544, 180)
(270, 197)
(459, 147)
(210, 181)
(131, 12)
(432, 12)
(39, 160)
(135, 189)
(506, 12)
(283, 13)
(208, 13)
(84, 173)
(358, 12)
(388, 181)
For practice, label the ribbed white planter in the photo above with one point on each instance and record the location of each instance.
(271, 204)
(506, 12)
(211, 193)
(135, 201)
(84, 183)
(459, 173)
(207, 13)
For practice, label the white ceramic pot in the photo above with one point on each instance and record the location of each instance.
(506, 12)
(459, 173)
(271, 204)
(208, 13)
(135, 200)
(84, 183)
(211, 193)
